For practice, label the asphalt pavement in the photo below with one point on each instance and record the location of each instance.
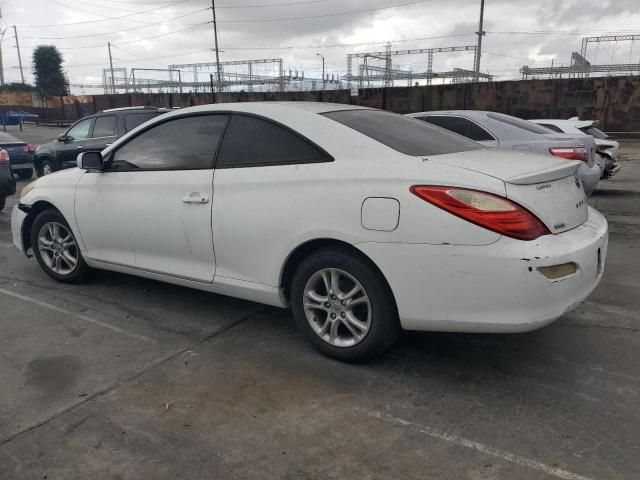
(126, 378)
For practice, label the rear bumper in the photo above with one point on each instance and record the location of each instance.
(7, 182)
(495, 288)
(590, 177)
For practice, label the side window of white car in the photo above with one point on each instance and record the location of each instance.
(256, 142)
(184, 143)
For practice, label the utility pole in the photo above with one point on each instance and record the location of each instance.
(113, 79)
(215, 37)
(15, 34)
(3, 29)
(324, 83)
(481, 33)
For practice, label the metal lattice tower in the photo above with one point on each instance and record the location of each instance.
(368, 73)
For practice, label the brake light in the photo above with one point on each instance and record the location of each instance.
(570, 153)
(29, 148)
(484, 209)
(4, 157)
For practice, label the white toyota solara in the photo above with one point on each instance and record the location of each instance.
(364, 222)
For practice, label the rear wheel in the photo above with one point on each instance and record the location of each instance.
(344, 306)
(3, 201)
(56, 248)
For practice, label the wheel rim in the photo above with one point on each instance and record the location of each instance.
(46, 169)
(337, 307)
(58, 248)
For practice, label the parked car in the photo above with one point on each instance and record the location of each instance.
(512, 133)
(94, 132)
(7, 182)
(362, 221)
(21, 155)
(607, 149)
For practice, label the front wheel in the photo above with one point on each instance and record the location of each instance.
(56, 248)
(343, 306)
(3, 201)
(45, 168)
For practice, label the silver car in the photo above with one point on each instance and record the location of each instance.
(511, 133)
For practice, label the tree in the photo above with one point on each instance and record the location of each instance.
(47, 69)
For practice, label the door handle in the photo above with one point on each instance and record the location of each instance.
(80, 146)
(196, 198)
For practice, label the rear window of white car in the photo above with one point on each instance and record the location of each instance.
(519, 123)
(404, 134)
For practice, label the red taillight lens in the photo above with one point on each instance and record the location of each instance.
(570, 153)
(4, 157)
(485, 210)
(29, 148)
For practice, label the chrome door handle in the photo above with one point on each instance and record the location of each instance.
(196, 198)
(80, 146)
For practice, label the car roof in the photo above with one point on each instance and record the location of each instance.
(461, 113)
(268, 108)
(138, 108)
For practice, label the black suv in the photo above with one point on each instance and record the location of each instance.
(94, 132)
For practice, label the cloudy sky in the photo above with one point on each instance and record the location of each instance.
(156, 33)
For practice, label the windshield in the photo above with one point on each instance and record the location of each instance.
(403, 134)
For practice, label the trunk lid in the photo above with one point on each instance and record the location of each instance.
(547, 186)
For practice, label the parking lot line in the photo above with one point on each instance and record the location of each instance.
(480, 447)
(79, 316)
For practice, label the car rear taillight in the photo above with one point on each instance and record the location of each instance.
(486, 210)
(4, 157)
(570, 153)
(29, 148)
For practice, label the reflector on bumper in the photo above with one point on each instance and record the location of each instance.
(555, 272)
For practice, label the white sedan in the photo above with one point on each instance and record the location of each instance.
(362, 221)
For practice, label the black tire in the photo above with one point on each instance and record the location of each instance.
(45, 167)
(384, 326)
(25, 174)
(3, 201)
(81, 272)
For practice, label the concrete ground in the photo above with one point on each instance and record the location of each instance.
(126, 378)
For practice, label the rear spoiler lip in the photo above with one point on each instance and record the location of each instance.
(546, 175)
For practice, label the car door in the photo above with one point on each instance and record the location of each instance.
(150, 208)
(74, 142)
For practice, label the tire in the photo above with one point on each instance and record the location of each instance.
(50, 228)
(25, 174)
(46, 167)
(327, 320)
(3, 201)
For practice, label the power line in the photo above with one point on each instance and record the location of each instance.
(123, 30)
(324, 15)
(101, 20)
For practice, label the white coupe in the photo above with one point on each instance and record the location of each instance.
(364, 222)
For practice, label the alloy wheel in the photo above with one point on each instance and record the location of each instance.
(337, 307)
(58, 248)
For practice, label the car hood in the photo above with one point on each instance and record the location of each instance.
(63, 178)
(510, 166)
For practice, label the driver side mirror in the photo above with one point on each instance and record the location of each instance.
(90, 161)
(63, 138)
